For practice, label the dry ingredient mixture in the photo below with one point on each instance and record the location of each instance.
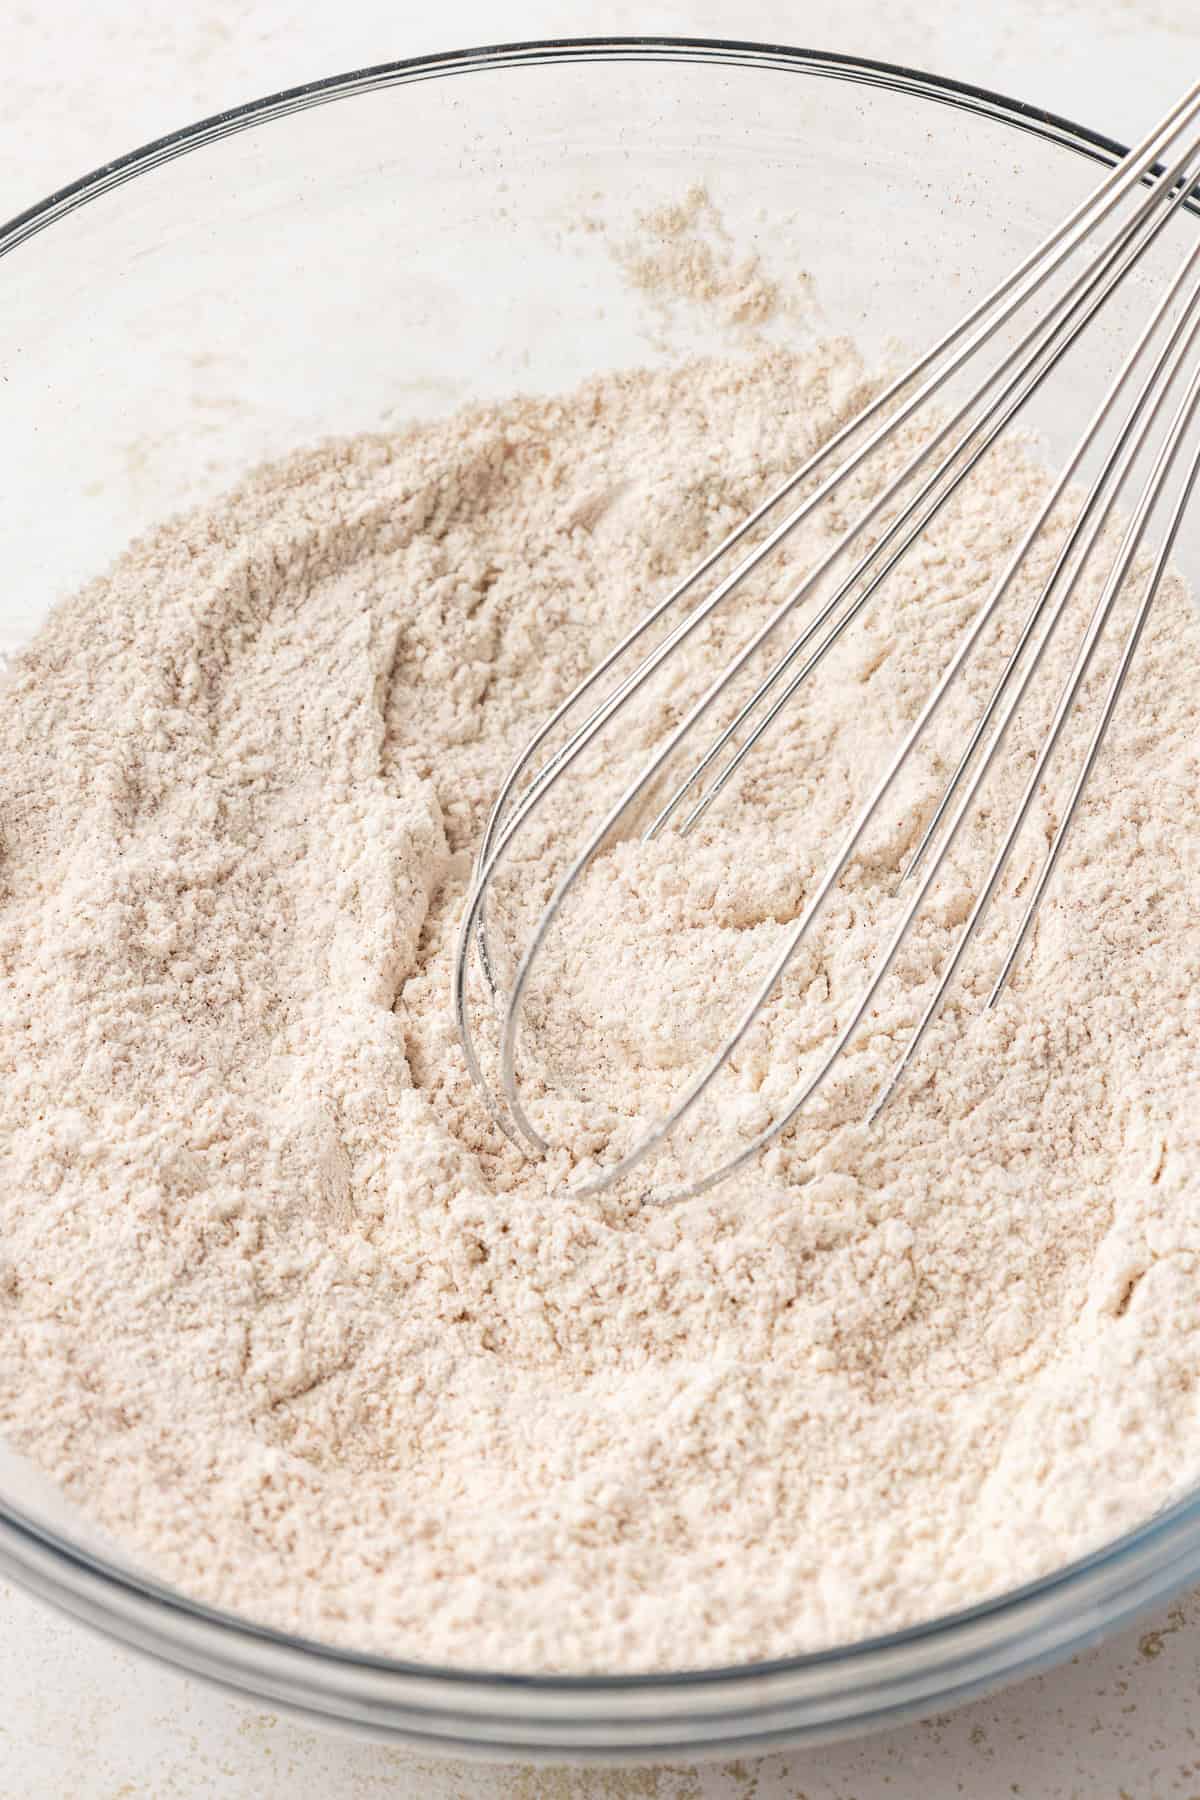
(281, 1308)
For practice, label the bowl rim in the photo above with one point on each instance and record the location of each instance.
(528, 52)
(864, 1684)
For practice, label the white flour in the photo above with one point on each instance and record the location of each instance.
(282, 1310)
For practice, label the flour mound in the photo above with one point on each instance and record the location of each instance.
(289, 1318)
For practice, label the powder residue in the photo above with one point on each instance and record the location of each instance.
(682, 251)
(286, 1313)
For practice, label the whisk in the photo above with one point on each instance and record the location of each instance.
(1151, 403)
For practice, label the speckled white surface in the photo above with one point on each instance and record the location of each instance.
(80, 1720)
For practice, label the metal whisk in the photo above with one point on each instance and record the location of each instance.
(1109, 233)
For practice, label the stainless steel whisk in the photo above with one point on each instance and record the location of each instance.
(1138, 197)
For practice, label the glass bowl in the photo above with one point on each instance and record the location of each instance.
(392, 243)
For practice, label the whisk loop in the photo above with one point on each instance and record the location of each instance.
(1150, 371)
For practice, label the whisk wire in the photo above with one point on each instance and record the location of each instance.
(1062, 712)
(1023, 387)
(1138, 164)
(661, 756)
(1111, 698)
(1112, 471)
(700, 1085)
(962, 439)
(1012, 291)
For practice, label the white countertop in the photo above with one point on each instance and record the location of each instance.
(80, 1720)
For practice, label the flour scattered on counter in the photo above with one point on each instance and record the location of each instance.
(287, 1315)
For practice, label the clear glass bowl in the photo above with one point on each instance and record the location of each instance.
(396, 242)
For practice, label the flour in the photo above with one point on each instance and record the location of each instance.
(285, 1313)
(682, 252)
